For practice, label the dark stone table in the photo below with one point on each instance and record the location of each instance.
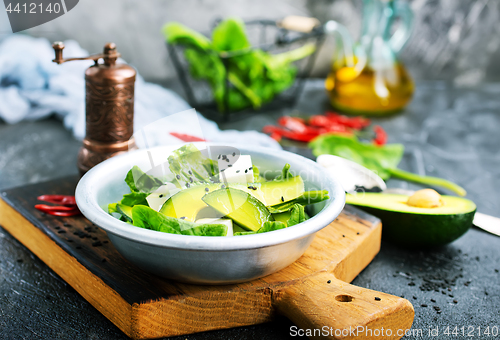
(448, 132)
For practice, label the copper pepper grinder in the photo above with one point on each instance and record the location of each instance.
(109, 107)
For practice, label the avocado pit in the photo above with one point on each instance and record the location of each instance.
(425, 198)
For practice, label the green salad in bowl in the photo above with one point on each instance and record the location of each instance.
(224, 196)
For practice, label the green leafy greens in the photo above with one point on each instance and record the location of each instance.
(139, 181)
(285, 173)
(267, 227)
(254, 75)
(297, 215)
(147, 218)
(308, 197)
(383, 160)
(190, 165)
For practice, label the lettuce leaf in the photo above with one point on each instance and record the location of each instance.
(190, 165)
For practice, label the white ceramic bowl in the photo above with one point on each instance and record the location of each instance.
(201, 259)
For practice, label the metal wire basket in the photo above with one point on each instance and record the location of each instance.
(264, 35)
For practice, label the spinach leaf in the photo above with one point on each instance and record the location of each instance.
(271, 226)
(268, 226)
(255, 76)
(145, 217)
(383, 160)
(308, 197)
(208, 66)
(135, 198)
(176, 33)
(204, 62)
(285, 173)
(241, 233)
(205, 230)
(297, 215)
(139, 181)
(230, 35)
(376, 158)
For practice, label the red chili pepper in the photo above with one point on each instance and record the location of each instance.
(294, 124)
(302, 137)
(276, 136)
(298, 129)
(58, 210)
(47, 208)
(380, 135)
(320, 120)
(68, 207)
(357, 123)
(64, 213)
(58, 199)
(187, 138)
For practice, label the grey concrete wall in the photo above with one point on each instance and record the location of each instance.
(457, 40)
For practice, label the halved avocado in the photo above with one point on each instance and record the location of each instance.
(239, 206)
(407, 225)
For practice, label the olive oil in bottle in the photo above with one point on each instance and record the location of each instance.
(372, 81)
(370, 92)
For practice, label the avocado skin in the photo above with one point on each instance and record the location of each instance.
(421, 231)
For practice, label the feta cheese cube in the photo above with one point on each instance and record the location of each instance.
(235, 169)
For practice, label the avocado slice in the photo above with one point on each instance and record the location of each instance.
(276, 192)
(413, 226)
(187, 203)
(239, 206)
(125, 211)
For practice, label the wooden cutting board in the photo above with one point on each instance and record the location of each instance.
(313, 292)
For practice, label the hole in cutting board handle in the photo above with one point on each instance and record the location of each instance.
(344, 298)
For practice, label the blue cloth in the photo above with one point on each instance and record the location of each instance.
(33, 87)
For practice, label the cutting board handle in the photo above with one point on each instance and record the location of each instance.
(332, 309)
